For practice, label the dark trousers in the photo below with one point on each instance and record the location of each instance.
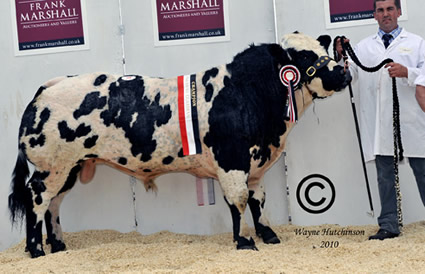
(388, 219)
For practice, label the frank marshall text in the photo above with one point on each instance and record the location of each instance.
(328, 232)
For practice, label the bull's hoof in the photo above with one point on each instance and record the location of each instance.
(56, 245)
(273, 240)
(268, 236)
(250, 247)
(34, 252)
(245, 244)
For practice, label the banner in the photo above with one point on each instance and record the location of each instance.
(190, 21)
(345, 13)
(46, 26)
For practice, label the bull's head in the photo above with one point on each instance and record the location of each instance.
(319, 73)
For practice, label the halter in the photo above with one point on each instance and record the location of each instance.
(318, 64)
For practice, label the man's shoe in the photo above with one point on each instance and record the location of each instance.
(383, 234)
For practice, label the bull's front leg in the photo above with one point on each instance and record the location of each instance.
(256, 200)
(235, 188)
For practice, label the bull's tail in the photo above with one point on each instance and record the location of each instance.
(19, 193)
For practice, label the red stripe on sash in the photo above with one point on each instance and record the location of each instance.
(182, 120)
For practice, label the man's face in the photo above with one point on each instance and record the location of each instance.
(387, 14)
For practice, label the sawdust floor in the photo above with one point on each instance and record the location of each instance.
(109, 251)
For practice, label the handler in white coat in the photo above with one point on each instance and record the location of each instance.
(374, 96)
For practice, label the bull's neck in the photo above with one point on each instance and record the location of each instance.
(303, 99)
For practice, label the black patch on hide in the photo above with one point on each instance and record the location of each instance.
(100, 80)
(91, 156)
(126, 98)
(39, 91)
(38, 141)
(236, 219)
(167, 160)
(249, 110)
(91, 101)
(69, 134)
(38, 186)
(71, 179)
(91, 141)
(28, 122)
(147, 170)
(49, 226)
(122, 161)
(209, 89)
(255, 207)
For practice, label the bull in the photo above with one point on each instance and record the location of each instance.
(238, 123)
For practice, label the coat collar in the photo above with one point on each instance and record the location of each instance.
(403, 34)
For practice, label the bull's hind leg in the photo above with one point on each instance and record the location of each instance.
(234, 185)
(256, 200)
(35, 209)
(51, 217)
(53, 227)
(43, 187)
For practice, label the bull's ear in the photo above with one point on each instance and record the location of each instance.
(325, 41)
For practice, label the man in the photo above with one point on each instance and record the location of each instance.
(420, 89)
(374, 93)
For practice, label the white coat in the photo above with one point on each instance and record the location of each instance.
(420, 80)
(373, 94)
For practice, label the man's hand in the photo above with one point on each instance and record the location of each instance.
(338, 47)
(396, 70)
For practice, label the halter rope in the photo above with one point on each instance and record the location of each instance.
(398, 147)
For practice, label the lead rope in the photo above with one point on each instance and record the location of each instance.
(398, 147)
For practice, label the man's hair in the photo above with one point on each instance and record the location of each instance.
(396, 2)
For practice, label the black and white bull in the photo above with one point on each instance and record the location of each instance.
(132, 123)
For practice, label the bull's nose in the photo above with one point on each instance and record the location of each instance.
(347, 77)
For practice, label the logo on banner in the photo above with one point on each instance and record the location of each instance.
(315, 194)
(45, 26)
(188, 114)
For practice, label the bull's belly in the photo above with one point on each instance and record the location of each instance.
(199, 165)
(64, 156)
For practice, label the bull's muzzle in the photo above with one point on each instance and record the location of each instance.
(347, 79)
